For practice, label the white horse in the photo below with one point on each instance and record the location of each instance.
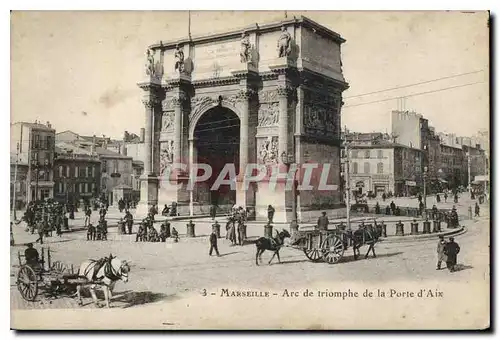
(104, 272)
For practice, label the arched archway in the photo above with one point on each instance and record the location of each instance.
(217, 142)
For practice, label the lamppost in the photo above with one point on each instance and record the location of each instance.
(468, 172)
(425, 191)
(35, 165)
(347, 187)
(15, 182)
(287, 160)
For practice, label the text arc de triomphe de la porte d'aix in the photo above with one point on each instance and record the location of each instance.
(268, 94)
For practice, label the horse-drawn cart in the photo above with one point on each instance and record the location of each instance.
(52, 278)
(329, 245)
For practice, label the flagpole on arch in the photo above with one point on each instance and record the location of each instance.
(189, 25)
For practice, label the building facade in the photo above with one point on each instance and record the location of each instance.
(274, 91)
(36, 143)
(18, 183)
(377, 166)
(116, 171)
(77, 173)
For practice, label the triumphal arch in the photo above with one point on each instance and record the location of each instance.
(269, 94)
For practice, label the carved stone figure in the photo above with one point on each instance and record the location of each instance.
(150, 63)
(268, 114)
(245, 52)
(167, 120)
(166, 156)
(268, 150)
(284, 43)
(179, 57)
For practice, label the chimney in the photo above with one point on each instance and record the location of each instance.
(92, 147)
(143, 134)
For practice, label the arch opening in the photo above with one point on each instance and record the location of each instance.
(217, 143)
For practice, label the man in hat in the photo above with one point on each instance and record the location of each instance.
(31, 256)
(213, 243)
(323, 221)
(440, 252)
(451, 251)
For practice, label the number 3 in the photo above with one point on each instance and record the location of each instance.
(204, 292)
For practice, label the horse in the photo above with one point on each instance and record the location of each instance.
(91, 233)
(272, 244)
(104, 272)
(365, 235)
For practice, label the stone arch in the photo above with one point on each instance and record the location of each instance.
(203, 104)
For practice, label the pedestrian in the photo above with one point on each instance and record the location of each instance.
(421, 208)
(12, 243)
(438, 198)
(476, 210)
(164, 231)
(121, 226)
(323, 221)
(213, 211)
(445, 197)
(232, 233)
(241, 231)
(213, 243)
(88, 213)
(41, 231)
(140, 236)
(393, 207)
(420, 197)
(175, 235)
(456, 198)
(270, 213)
(440, 252)
(377, 208)
(383, 197)
(451, 251)
(165, 210)
(129, 220)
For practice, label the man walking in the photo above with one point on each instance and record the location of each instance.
(451, 251)
(476, 210)
(213, 243)
(440, 251)
(129, 220)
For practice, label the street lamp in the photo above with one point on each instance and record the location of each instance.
(287, 160)
(36, 166)
(425, 191)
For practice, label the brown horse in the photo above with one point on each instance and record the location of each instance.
(273, 244)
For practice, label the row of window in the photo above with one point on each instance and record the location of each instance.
(39, 142)
(366, 153)
(366, 168)
(82, 187)
(79, 171)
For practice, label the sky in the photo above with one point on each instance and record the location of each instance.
(79, 70)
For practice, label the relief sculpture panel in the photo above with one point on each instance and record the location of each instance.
(166, 156)
(321, 115)
(268, 150)
(167, 121)
(268, 114)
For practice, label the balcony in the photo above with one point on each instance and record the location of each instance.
(78, 157)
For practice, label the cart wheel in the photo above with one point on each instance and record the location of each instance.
(27, 283)
(58, 267)
(332, 249)
(313, 254)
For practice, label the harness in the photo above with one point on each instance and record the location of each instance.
(109, 272)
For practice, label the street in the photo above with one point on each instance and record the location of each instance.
(164, 271)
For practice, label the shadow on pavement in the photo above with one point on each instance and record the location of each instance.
(231, 253)
(460, 267)
(132, 299)
(350, 258)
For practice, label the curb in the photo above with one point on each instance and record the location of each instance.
(423, 237)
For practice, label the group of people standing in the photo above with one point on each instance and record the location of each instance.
(45, 217)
